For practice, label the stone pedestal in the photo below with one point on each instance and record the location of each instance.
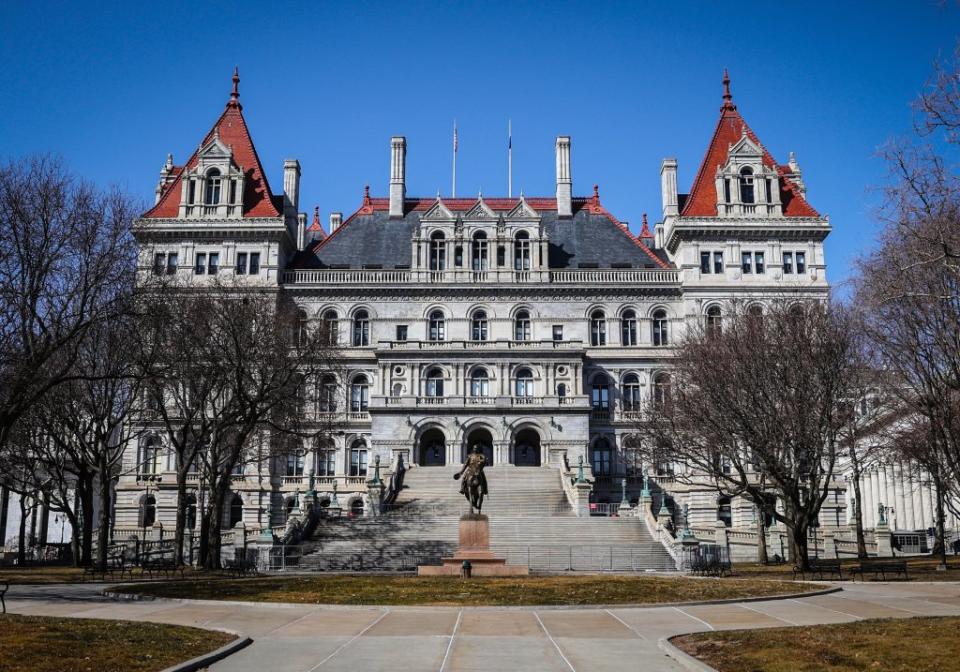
(884, 540)
(474, 546)
(581, 493)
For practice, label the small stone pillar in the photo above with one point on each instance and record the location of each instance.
(625, 508)
(266, 540)
(830, 545)
(884, 540)
(375, 492)
(720, 534)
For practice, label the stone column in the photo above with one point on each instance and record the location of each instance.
(884, 540)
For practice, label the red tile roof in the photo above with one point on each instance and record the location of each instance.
(702, 201)
(258, 200)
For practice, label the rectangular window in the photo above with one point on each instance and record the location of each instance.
(601, 398)
(159, 261)
(558, 332)
(718, 262)
(726, 190)
(746, 262)
(704, 262)
(788, 262)
(214, 263)
(192, 197)
(769, 186)
(241, 263)
(254, 263)
(171, 263)
(200, 267)
(458, 256)
(758, 262)
(233, 191)
(401, 332)
(501, 256)
(801, 262)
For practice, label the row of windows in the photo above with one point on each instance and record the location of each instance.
(479, 259)
(325, 463)
(213, 189)
(659, 328)
(753, 262)
(747, 187)
(207, 263)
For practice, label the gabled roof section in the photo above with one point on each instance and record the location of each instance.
(731, 128)
(231, 129)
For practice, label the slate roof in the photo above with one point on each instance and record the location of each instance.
(592, 238)
(702, 200)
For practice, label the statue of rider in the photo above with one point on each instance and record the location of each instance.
(473, 486)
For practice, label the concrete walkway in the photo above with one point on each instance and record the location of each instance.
(303, 638)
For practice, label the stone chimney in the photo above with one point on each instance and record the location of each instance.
(564, 178)
(668, 187)
(291, 188)
(398, 173)
(336, 219)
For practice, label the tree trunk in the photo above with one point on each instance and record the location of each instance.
(103, 528)
(941, 544)
(214, 529)
(798, 545)
(761, 539)
(181, 522)
(22, 538)
(85, 489)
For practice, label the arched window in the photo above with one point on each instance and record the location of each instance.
(746, 185)
(236, 510)
(600, 398)
(327, 394)
(295, 462)
(303, 324)
(356, 507)
(562, 392)
(435, 382)
(480, 256)
(523, 386)
(326, 460)
(330, 326)
(714, 320)
(724, 512)
(479, 383)
(628, 328)
(602, 458)
(661, 389)
(359, 395)
(358, 458)
(631, 392)
(521, 326)
(598, 328)
(437, 330)
(190, 515)
(438, 252)
(212, 194)
(659, 326)
(521, 252)
(148, 511)
(150, 462)
(361, 328)
(479, 326)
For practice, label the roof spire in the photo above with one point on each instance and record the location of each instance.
(235, 94)
(645, 229)
(727, 96)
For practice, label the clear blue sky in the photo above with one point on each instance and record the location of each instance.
(114, 88)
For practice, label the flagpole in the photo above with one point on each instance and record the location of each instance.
(453, 193)
(509, 159)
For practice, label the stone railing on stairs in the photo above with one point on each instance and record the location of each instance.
(660, 533)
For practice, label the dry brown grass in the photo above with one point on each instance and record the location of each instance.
(437, 591)
(49, 575)
(923, 568)
(42, 644)
(909, 645)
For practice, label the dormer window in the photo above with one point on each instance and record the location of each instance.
(746, 185)
(479, 256)
(521, 252)
(212, 194)
(438, 252)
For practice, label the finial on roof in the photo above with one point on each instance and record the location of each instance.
(315, 225)
(596, 192)
(645, 229)
(235, 94)
(727, 96)
(366, 194)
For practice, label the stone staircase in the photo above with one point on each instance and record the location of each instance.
(531, 523)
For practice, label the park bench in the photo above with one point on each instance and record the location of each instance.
(709, 564)
(116, 564)
(161, 564)
(819, 567)
(881, 568)
(4, 587)
(241, 565)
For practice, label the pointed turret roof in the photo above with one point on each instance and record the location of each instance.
(231, 130)
(702, 200)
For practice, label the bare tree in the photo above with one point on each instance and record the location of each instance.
(66, 254)
(755, 407)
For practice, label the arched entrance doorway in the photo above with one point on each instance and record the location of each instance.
(526, 448)
(433, 449)
(484, 439)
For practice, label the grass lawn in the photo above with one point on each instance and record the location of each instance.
(912, 644)
(919, 568)
(453, 591)
(42, 644)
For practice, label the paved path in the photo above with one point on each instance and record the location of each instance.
(303, 638)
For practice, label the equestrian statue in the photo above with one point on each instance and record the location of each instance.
(474, 483)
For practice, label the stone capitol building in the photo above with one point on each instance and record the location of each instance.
(534, 326)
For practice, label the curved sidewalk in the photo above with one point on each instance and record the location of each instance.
(302, 638)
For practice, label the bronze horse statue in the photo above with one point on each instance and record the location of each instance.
(474, 483)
